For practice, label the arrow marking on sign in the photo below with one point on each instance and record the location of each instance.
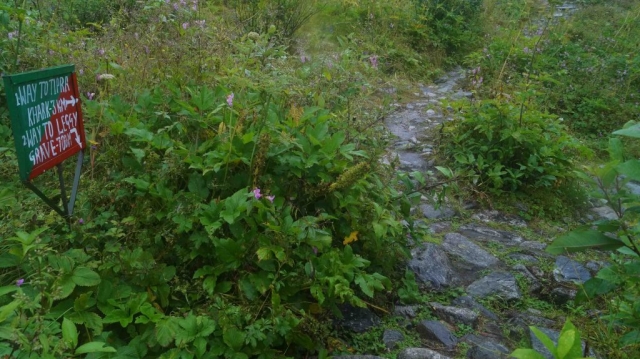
(73, 101)
(75, 132)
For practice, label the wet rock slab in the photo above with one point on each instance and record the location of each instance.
(485, 348)
(436, 332)
(391, 338)
(468, 255)
(455, 315)
(357, 319)
(499, 284)
(486, 234)
(431, 266)
(420, 353)
(570, 271)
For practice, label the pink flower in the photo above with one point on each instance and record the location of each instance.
(81, 221)
(101, 52)
(90, 95)
(19, 282)
(271, 198)
(256, 193)
(230, 100)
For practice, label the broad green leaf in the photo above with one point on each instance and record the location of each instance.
(69, 332)
(526, 354)
(571, 346)
(166, 331)
(631, 131)
(200, 344)
(7, 310)
(445, 171)
(7, 289)
(631, 338)
(592, 288)
(544, 339)
(583, 239)
(85, 277)
(234, 338)
(630, 169)
(616, 149)
(95, 347)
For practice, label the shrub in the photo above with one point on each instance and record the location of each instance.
(505, 147)
(286, 16)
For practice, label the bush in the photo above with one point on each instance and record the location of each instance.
(504, 147)
(452, 25)
(287, 16)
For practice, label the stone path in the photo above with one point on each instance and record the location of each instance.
(490, 265)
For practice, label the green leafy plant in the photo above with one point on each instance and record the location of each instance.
(505, 147)
(620, 235)
(569, 345)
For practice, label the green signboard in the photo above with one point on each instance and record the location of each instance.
(46, 118)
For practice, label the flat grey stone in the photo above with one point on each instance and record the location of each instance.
(484, 348)
(521, 257)
(633, 187)
(534, 284)
(500, 284)
(562, 295)
(430, 212)
(437, 332)
(605, 212)
(357, 319)
(431, 266)
(439, 227)
(391, 338)
(495, 216)
(472, 256)
(568, 270)
(529, 318)
(533, 246)
(408, 311)
(455, 315)
(470, 303)
(486, 234)
(356, 357)
(420, 353)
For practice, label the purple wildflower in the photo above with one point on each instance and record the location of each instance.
(303, 59)
(19, 282)
(256, 193)
(200, 23)
(230, 100)
(81, 221)
(526, 50)
(51, 52)
(90, 95)
(374, 61)
(315, 250)
(176, 7)
(12, 34)
(81, 72)
(185, 25)
(101, 52)
(271, 198)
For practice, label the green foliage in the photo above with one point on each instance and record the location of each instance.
(619, 235)
(507, 147)
(452, 25)
(268, 16)
(409, 293)
(569, 344)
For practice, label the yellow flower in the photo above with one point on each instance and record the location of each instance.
(351, 238)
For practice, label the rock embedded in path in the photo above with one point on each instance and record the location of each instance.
(486, 234)
(357, 319)
(605, 213)
(431, 266)
(468, 302)
(568, 270)
(356, 357)
(499, 284)
(485, 348)
(407, 311)
(420, 353)
(391, 338)
(522, 257)
(437, 332)
(498, 217)
(469, 256)
(430, 212)
(455, 315)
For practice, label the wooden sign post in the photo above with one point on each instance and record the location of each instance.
(47, 125)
